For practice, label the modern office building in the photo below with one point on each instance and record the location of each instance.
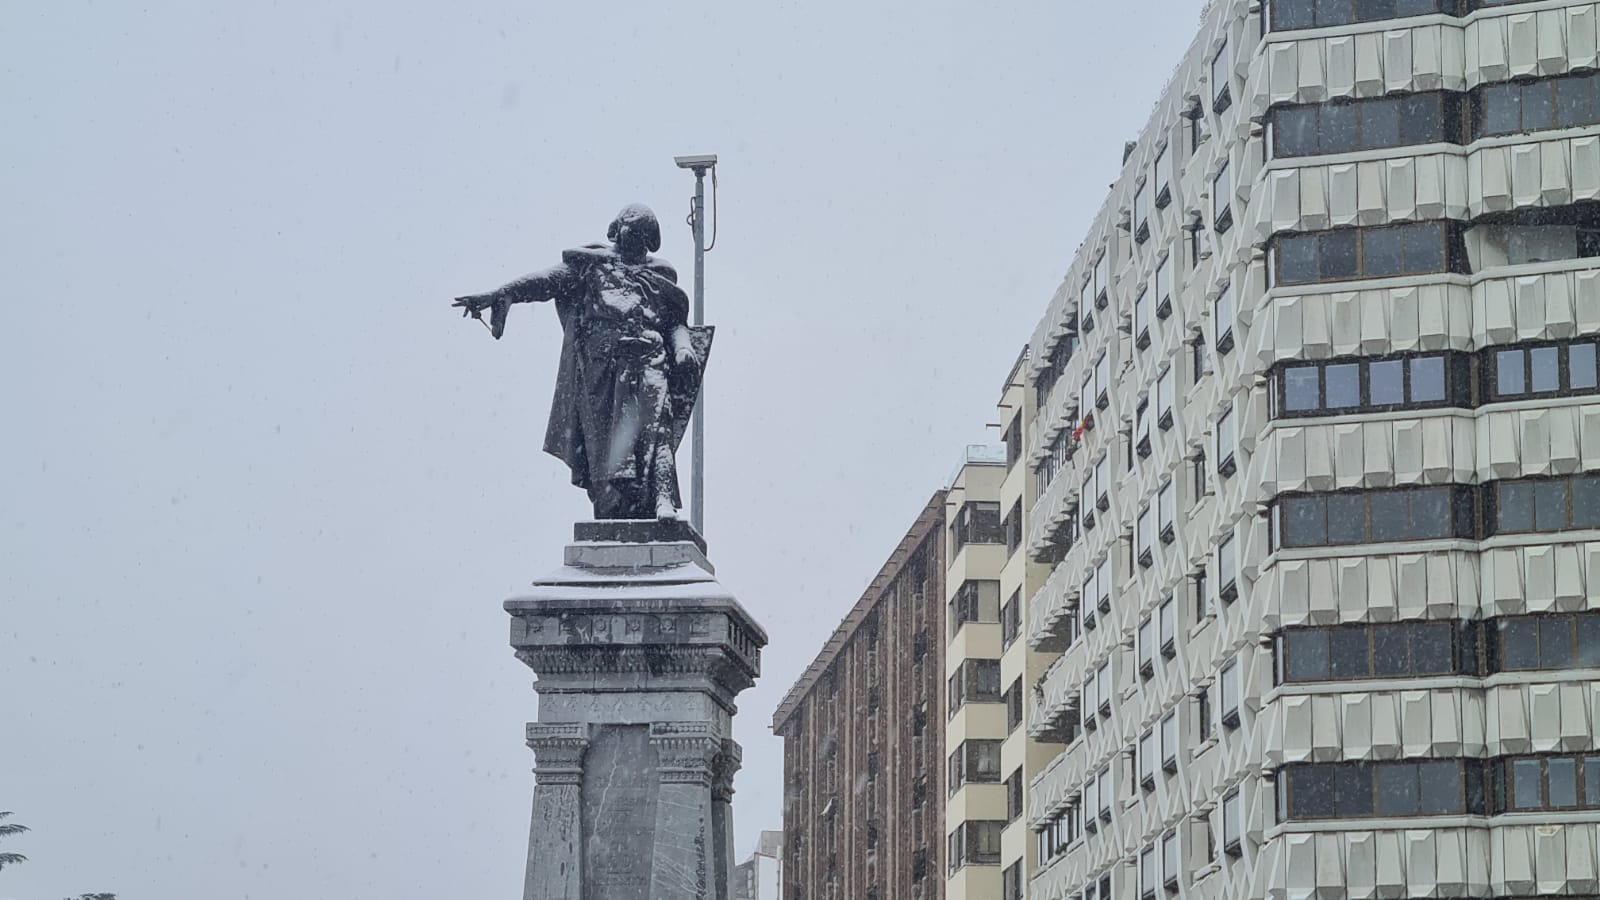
(761, 876)
(1318, 448)
(1025, 752)
(863, 747)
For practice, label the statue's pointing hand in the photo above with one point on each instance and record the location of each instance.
(474, 304)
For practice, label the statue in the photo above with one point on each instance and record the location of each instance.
(630, 368)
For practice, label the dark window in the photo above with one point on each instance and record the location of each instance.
(1012, 527)
(975, 681)
(1288, 15)
(1013, 700)
(1011, 619)
(1014, 798)
(1413, 249)
(975, 601)
(1399, 789)
(977, 522)
(1360, 517)
(1546, 783)
(1521, 371)
(1514, 107)
(1387, 650)
(1344, 126)
(1545, 504)
(974, 762)
(975, 843)
(1547, 641)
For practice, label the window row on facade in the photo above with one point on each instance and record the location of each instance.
(1438, 787)
(1384, 515)
(1290, 15)
(1544, 641)
(1428, 117)
(1452, 379)
(1433, 247)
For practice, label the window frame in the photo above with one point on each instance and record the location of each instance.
(1452, 255)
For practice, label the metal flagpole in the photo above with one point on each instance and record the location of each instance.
(697, 218)
(697, 477)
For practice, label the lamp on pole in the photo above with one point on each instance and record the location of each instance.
(697, 220)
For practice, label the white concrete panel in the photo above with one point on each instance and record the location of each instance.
(1525, 181)
(1391, 865)
(1341, 65)
(1312, 74)
(1585, 167)
(1430, 187)
(1538, 578)
(1297, 729)
(1552, 44)
(1369, 77)
(1375, 310)
(1514, 872)
(1491, 64)
(1422, 862)
(1522, 45)
(1577, 732)
(1283, 66)
(1401, 177)
(1581, 37)
(1583, 875)
(1550, 859)
(1416, 724)
(1300, 866)
(1386, 742)
(1357, 718)
(1446, 738)
(1555, 173)
(1544, 714)
(1342, 191)
(1361, 865)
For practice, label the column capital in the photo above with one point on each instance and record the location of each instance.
(729, 759)
(685, 751)
(558, 752)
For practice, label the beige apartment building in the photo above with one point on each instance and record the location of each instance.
(975, 730)
(1317, 447)
(992, 756)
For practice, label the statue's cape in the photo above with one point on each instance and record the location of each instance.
(564, 438)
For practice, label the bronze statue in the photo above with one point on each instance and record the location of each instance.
(630, 366)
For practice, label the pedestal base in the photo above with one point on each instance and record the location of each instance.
(639, 654)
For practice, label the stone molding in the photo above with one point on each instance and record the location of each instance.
(729, 759)
(558, 752)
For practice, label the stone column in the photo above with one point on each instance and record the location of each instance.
(723, 768)
(682, 867)
(557, 804)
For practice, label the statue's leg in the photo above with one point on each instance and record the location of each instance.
(655, 442)
(665, 480)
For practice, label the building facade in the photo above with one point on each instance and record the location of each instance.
(761, 876)
(1317, 459)
(863, 748)
(975, 703)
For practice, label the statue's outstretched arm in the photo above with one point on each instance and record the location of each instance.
(537, 287)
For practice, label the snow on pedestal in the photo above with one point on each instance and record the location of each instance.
(639, 654)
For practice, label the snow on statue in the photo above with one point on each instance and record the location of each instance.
(630, 366)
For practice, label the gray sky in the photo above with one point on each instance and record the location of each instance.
(263, 494)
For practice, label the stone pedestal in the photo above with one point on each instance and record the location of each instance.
(639, 654)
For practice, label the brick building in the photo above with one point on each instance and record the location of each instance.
(863, 741)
